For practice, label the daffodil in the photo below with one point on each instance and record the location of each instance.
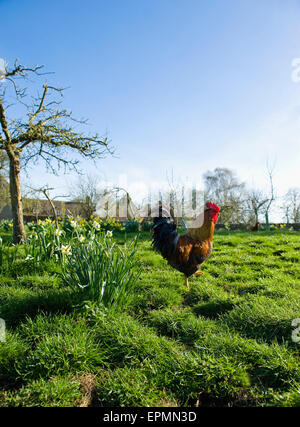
(81, 238)
(109, 233)
(66, 250)
(96, 225)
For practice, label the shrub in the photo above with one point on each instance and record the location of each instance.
(132, 226)
(101, 271)
(147, 226)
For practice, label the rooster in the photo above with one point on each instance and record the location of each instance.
(186, 252)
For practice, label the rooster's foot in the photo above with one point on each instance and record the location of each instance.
(198, 273)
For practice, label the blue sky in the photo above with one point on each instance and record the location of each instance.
(187, 85)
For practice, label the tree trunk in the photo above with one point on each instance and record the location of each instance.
(16, 198)
(267, 220)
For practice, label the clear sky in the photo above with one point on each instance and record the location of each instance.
(187, 85)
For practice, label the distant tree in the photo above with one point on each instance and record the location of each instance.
(255, 204)
(116, 201)
(224, 188)
(45, 131)
(286, 209)
(175, 198)
(291, 205)
(86, 191)
(271, 195)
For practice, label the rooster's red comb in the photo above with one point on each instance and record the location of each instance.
(213, 206)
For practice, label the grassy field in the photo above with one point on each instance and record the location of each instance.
(225, 342)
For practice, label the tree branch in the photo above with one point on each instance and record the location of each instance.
(3, 122)
(40, 106)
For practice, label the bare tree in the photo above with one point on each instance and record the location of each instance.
(223, 187)
(46, 132)
(256, 201)
(291, 205)
(286, 209)
(175, 197)
(271, 197)
(124, 203)
(86, 191)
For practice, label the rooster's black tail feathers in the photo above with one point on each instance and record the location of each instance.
(164, 236)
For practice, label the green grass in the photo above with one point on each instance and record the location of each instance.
(224, 342)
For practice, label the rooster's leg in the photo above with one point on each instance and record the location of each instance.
(198, 273)
(187, 282)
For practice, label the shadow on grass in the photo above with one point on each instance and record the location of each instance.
(17, 304)
(213, 309)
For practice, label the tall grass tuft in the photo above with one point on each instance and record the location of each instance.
(100, 271)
